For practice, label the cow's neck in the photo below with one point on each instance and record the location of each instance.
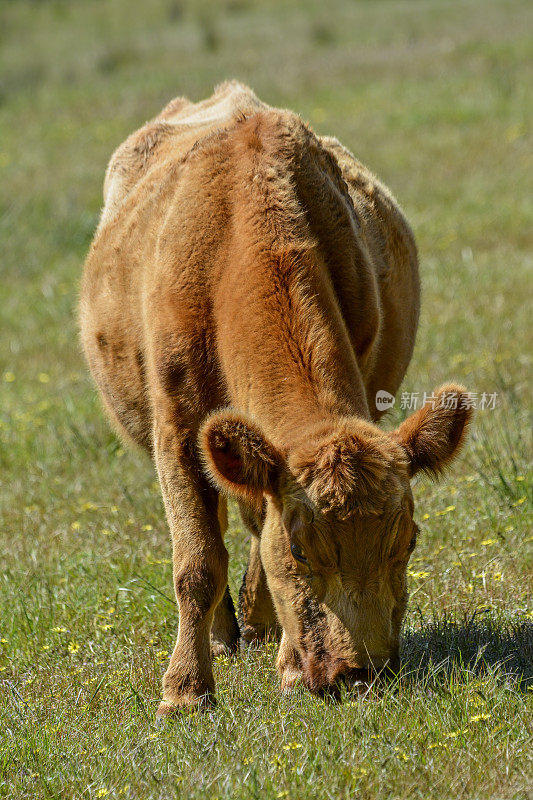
(288, 360)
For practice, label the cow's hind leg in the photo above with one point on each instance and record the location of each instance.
(225, 632)
(257, 616)
(200, 562)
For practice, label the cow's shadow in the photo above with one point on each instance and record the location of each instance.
(475, 646)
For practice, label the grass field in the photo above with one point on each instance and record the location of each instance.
(435, 97)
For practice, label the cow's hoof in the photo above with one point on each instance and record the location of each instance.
(187, 704)
(163, 713)
(220, 648)
(291, 677)
(252, 644)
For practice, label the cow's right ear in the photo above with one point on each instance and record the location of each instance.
(433, 435)
(238, 456)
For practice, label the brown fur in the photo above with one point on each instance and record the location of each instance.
(344, 469)
(242, 261)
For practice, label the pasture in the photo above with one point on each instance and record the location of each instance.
(435, 98)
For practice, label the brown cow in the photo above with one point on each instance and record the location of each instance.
(250, 288)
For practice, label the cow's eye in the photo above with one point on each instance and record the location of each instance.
(412, 543)
(298, 553)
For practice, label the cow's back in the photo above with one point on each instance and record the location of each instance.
(171, 135)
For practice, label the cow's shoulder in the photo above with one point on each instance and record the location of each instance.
(383, 222)
(358, 177)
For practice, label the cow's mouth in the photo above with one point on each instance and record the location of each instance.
(328, 676)
(360, 681)
(359, 676)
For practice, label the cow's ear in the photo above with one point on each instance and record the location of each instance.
(433, 435)
(238, 456)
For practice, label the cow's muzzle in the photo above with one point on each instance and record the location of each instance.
(325, 676)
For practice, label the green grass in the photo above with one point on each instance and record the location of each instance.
(435, 97)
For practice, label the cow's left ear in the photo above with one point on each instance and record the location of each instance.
(238, 456)
(433, 435)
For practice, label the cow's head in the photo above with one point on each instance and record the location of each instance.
(338, 529)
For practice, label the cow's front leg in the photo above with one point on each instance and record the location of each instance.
(200, 565)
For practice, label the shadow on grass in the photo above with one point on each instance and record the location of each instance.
(448, 648)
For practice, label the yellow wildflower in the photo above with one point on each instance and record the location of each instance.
(455, 734)
(444, 511)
